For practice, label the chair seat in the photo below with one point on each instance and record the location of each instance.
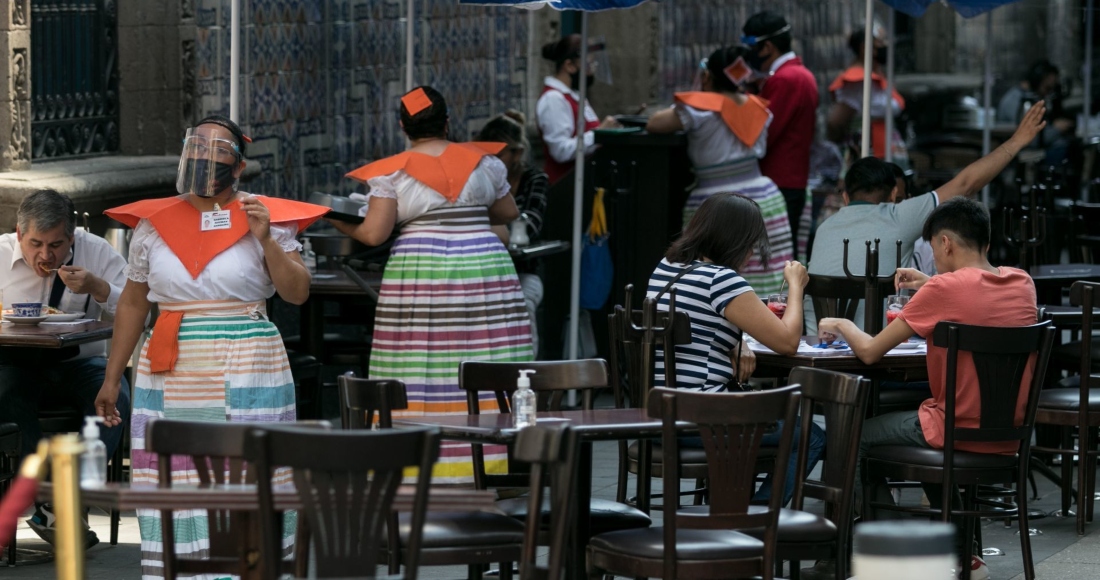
(934, 457)
(607, 515)
(462, 529)
(1069, 354)
(8, 429)
(795, 526)
(300, 359)
(688, 455)
(1068, 399)
(699, 545)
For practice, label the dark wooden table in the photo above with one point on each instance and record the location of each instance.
(911, 365)
(595, 425)
(537, 250)
(1065, 317)
(1050, 279)
(54, 335)
(245, 498)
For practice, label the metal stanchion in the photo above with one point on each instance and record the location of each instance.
(65, 453)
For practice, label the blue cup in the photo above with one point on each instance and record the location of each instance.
(26, 309)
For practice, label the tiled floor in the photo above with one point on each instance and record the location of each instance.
(1058, 551)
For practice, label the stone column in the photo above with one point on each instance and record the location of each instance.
(15, 73)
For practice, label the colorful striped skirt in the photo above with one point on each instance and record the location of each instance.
(449, 294)
(743, 177)
(232, 366)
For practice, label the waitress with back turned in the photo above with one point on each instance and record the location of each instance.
(557, 108)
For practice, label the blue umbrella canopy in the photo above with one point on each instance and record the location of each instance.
(583, 5)
(966, 8)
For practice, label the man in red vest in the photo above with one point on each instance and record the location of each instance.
(792, 96)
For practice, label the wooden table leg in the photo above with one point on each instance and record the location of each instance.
(311, 326)
(583, 530)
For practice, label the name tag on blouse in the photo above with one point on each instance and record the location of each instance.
(215, 220)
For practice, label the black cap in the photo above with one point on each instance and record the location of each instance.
(901, 539)
(764, 23)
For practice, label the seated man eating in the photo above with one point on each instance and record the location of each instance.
(49, 260)
(967, 290)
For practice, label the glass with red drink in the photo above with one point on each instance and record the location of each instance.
(894, 306)
(777, 303)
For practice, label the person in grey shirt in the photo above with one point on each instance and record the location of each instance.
(869, 214)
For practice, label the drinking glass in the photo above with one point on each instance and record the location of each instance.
(777, 303)
(894, 305)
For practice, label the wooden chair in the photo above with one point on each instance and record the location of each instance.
(1000, 357)
(840, 297)
(448, 538)
(552, 453)
(842, 398)
(347, 481)
(1085, 233)
(9, 467)
(706, 543)
(1080, 408)
(633, 341)
(216, 451)
(551, 381)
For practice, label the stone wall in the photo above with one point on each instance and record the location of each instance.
(15, 82)
(322, 80)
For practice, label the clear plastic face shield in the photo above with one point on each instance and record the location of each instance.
(208, 163)
(697, 78)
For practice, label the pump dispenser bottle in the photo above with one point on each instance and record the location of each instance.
(524, 401)
(93, 462)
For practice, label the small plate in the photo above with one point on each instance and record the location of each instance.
(24, 319)
(908, 345)
(64, 317)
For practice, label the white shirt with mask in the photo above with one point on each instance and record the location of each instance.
(557, 121)
(20, 283)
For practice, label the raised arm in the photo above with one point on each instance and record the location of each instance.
(978, 174)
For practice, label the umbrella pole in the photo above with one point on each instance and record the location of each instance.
(578, 197)
(987, 97)
(234, 59)
(868, 50)
(410, 51)
(1088, 91)
(890, 25)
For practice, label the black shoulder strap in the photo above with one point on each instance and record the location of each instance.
(677, 277)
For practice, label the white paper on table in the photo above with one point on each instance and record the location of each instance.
(67, 322)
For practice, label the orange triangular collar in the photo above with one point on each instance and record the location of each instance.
(854, 74)
(447, 174)
(746, 121)
(178, 224)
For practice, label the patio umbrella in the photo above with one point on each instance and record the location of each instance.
(916, 8)
(584, 6)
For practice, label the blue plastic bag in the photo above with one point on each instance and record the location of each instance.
(597, 269)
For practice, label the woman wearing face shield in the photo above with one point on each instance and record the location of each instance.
(449, 292)
(843, 121)
(209, 258)
(727, 136)
(556, 109)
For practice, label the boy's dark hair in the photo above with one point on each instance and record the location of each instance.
(232, 126)
(725, 229)
(962, 216)
(1038, 71)
(717, 63)
(765, 23)
(870, 179)
(430, 122)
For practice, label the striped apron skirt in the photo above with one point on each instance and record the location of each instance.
(449, 294)
(743, 177)
(231, 366)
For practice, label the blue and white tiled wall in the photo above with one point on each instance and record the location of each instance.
(321, 79)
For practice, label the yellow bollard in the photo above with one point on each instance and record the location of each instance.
(65, 453)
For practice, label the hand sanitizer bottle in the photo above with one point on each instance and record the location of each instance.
(523, 401)
(93, 462)
(518, 235)
(309, 257)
